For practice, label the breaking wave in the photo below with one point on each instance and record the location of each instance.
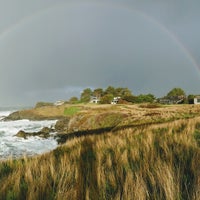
(12, 146)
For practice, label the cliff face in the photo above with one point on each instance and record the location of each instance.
(83, 122)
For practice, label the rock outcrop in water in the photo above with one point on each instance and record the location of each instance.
(44, 133)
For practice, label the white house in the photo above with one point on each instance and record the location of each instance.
(115, 100)
(59, 103)
(94, 100)
(197, 100)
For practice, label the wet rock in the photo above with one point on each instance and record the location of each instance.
(45, 130)
(44, 133)
(13, 116)
(22, 134)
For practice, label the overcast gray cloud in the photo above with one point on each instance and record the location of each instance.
(51, 50)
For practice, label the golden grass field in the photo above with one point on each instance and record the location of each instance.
(153, 152)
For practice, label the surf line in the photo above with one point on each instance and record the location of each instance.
(12, 28)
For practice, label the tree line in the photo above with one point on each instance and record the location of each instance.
(106, 95)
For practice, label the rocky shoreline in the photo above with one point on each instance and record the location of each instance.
(56, 131)
(89, 119)
(86, 120)
(75, 126)
(44, 133)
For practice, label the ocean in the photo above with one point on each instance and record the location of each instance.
(15, 147)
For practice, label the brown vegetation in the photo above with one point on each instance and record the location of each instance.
(158, 160)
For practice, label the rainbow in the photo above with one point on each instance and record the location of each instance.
(11, 29)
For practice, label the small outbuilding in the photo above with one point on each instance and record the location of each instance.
(94, 100)
(197, 100)
(59, 103)
(115, 100)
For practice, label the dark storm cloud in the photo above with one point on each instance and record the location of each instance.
(56, 52)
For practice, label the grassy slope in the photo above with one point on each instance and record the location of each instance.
(138, 112)
(155, 161)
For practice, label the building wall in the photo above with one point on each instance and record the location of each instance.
(196, 100)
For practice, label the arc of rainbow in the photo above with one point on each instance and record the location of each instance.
(150, 19)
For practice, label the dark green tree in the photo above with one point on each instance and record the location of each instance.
(190, 98)
(130, 98)
(86, 95)
(106, 99)
(110, 90)
(122, 92)
(145, 98)
(176, 92)
(73, 100)
(98, 92)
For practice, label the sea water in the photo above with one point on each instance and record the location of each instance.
(13, 146)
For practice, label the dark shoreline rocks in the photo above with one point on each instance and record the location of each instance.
(44, 133)
(88, 120)
(13, 116)
(60, 129)
(62, 125)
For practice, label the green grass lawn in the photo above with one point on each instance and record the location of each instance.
(71, 110)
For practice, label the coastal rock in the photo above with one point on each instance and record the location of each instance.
(22, 134)
(44, 133)
(62, 124)
(18, 115)
(13, 116)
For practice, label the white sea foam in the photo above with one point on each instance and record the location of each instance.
(4, 114)
(12, 146)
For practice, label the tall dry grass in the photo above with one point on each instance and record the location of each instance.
(153, 162)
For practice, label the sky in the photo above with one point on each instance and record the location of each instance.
(53, 49)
